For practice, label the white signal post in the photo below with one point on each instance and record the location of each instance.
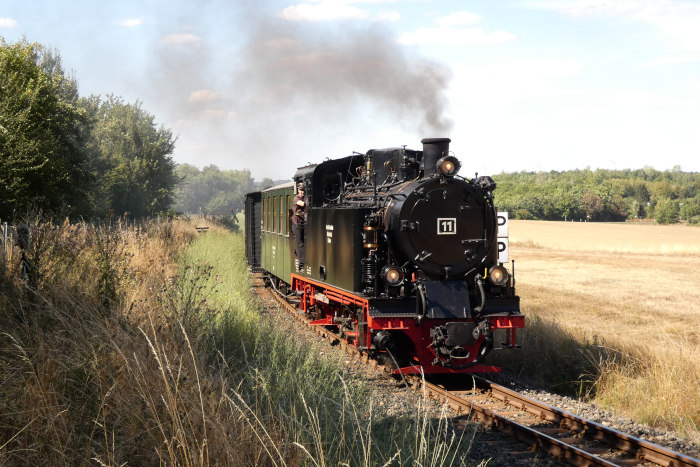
(503, 237)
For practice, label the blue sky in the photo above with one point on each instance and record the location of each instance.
(532, 85)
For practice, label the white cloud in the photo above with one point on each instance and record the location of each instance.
(459, 18)
(535, 68)
(387, 16)
(539, 115)
(8, 23)
(325, 11)
(455, 36)
(677, 19)
(672, 61)
(457, 28)
(130, 22)
(693, 88)
(330, 10)
(349, 2)
(186, 38)
(508, 84)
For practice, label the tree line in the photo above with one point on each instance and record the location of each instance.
(601, 195)
(213, 191)
(94, 157)
(89, 157)
(100, 157)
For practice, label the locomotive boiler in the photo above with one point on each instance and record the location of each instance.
(402, 257)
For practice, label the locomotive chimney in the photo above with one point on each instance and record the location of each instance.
(433, 150)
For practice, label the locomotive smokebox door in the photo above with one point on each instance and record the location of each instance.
(447, 299)
(441, 227)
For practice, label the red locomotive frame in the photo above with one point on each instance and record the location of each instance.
(407, 324)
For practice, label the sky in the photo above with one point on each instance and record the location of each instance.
(269, 86)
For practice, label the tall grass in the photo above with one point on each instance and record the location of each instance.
(326, 418)
(659, 389)
(611, 317)
(143, 345)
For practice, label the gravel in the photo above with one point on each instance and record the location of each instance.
(597, 414)
(392, 399)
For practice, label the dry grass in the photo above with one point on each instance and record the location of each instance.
(122, 350)
(612, 237)
(98, 363)
(627, 297)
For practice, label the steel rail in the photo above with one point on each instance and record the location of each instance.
(643, 451)
(544, 442)
(619, 440)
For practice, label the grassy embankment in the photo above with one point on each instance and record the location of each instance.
(144, 346)
(613, 315)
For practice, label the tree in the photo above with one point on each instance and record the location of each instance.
(42, 161)
(266, 182)
(212, 191)
(666, 212)
(690, 210)
(131, 159)
(603, 195)
(592, 205)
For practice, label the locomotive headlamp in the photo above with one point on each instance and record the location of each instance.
(393, 275)
(448, 166)
(498, 275)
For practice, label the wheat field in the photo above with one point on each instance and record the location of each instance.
(636, 283)
(628, 287)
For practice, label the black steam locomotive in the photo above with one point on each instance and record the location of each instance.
(402, 257)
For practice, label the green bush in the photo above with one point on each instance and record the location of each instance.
(666, 212)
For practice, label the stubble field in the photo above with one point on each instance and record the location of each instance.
(629, 296)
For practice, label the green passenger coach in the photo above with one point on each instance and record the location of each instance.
(270, 225)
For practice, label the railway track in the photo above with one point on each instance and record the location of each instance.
(558, 433)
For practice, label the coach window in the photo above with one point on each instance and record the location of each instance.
(277, 226)
(286, 219)
(262, 220)
(267, 214)
(279, 214)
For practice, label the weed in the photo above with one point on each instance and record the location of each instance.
(129, 350)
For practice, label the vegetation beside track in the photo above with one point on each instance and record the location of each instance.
(320, 412)
(612, 317)
(143, 344)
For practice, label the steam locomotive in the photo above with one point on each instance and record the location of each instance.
(402, 257)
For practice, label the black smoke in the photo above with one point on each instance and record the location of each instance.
(286, 83)
(290, 64)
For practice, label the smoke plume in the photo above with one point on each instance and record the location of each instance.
(290, 85)
(287, 66)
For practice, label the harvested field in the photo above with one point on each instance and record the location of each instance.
(631, 288)
(642, 277)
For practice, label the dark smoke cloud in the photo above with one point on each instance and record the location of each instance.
(292, 64)
(289, 83)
